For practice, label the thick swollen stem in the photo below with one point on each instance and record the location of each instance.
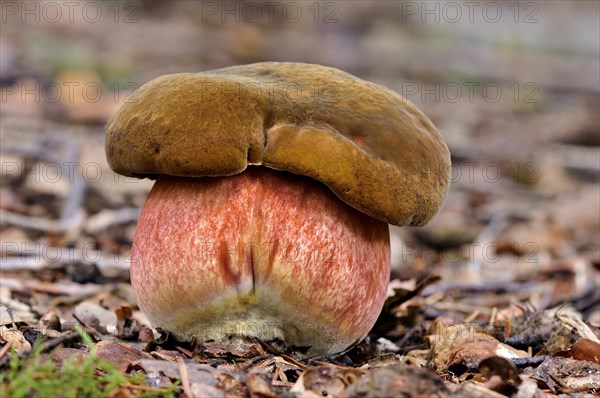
(262, 253)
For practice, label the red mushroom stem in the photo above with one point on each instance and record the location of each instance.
(261, 254)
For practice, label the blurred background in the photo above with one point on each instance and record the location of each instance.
(512, 86)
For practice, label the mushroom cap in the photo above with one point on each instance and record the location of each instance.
(374, 149)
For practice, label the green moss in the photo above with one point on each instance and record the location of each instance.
(88, 377)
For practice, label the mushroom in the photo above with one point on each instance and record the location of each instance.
(275, 184)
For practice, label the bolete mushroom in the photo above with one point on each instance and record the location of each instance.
(274, 186)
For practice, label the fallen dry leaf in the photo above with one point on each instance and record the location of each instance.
(121, 355)
(259, 384)
(197, 373)
(62, 353)
(96, 316)
(583, 350)
(214, 349)
(398, 381)
(446, 337)
(15, 338)
(325, 381)
(566, 373)
(499, 366)
(468, 356)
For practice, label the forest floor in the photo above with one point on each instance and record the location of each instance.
(498, 296)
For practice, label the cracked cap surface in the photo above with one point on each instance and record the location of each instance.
(374, 149)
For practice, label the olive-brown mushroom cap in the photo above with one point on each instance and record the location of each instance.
(374, 149)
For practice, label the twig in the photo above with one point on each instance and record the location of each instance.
(162, 356)
(30, 263)
(69, 289)
(185, 382)
(292, 360)
(472, 317)
(461, 307)
(56, 258)
(244, 366)
(92, 331)
(577, 157)
(587, 387)
(286, 384)
(267, 347)
(142, 388)
(5, 349)
(108, 217)
(526, 362)
(558, 381)
(507, 329)
(67, 337)
(185, 352)
(475, 288)
(493, 316)
(72, 222)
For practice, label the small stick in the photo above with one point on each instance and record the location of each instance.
(106, 218)
(507, 329)
(244, 366)
(493, 316)
(142, 388)
(185, 382)
(558, 381)
(268, 347)
(74, 221)
(162, 356)
(292, 360)
(525, 362)
(185, 352)
(5, 349)
(48, 345)
(472, 317)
